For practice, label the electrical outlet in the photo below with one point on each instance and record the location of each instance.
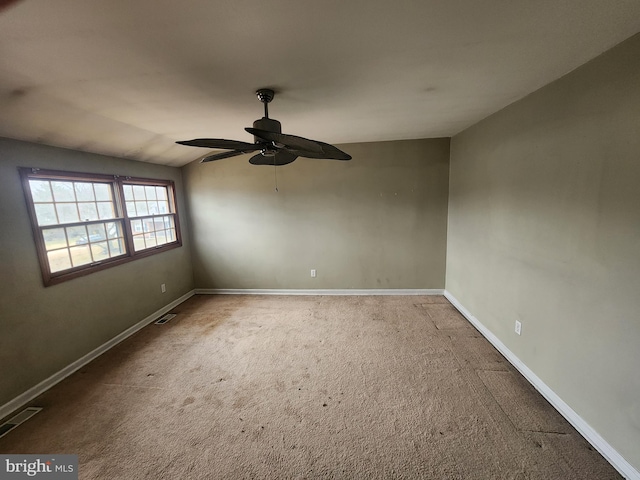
(163, 288)
(518, 327)
(313, 273)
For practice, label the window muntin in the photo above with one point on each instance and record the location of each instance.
(80, 224)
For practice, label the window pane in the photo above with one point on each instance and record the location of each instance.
(116, 247)
(59, 260)
(150, 239)
(96, 233)
(141, 208)
(138, 192)
(168, 222)
(161, 193)
(41, 190)
(103, 191)
(88, 211)
(161, 237)
(84, 191)
(67, 212)
(128, 192)
(54, 238)
(171, 235)
(77, 235)
(131, 209)
(63, 191)
(113, 230)
(100, 251)
(138, 243)
(163, 206)
(158, 223)
(150, 192)
(136, 226)
(106, 210)
(80, 255)
(46, 214)
(153, 207)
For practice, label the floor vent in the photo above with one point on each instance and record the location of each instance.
(16, 420)
(165, 318)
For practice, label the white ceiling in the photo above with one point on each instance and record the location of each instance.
(130, 77)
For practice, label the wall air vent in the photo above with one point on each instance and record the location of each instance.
(16, 420)
(165, 318)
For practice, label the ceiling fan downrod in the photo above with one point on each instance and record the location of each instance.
(265, 123)
(266, 95)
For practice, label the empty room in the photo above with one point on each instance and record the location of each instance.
(320, 239)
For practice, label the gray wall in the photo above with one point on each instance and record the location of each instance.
(377, 221)
(544, 227)
(42, 330)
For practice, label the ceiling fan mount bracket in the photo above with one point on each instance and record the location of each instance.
(265, 95)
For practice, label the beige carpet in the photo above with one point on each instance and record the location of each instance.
(307, 387)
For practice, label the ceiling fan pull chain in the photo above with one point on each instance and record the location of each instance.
(275, 172)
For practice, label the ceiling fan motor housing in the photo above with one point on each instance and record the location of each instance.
(268, 124)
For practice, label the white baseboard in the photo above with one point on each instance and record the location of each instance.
(593, 437)
(43, 386)
(348, 291)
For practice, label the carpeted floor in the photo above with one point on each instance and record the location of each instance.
(266, 387)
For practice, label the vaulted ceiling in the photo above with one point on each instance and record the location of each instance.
(130, 77)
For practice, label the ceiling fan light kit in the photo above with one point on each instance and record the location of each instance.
(276, 148)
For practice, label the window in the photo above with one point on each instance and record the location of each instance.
(87, 222)
(148, 209)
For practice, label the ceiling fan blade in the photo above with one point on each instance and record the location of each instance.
(302, 147)
(329, 152)
(281, 157)
(292, 142)
(220, 156)
(222, 143)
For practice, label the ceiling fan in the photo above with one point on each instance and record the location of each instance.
(275, 147)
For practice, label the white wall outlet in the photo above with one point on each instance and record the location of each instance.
(518, 327)
(313, 273)
(163, 288)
